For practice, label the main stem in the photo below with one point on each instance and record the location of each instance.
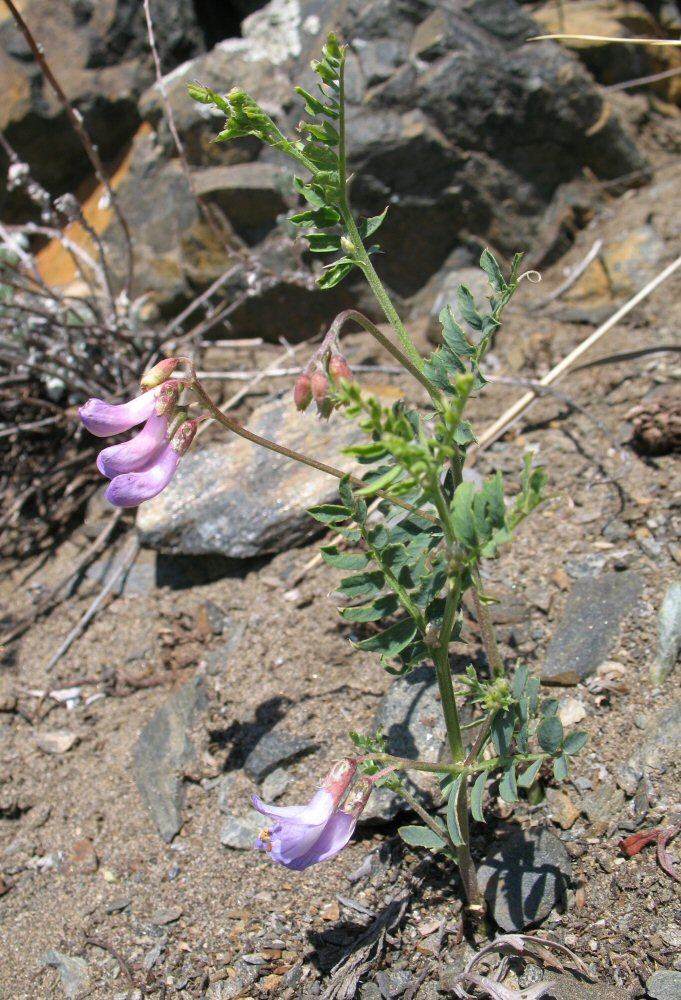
(489, 639)
(360, 254)
(444, 681)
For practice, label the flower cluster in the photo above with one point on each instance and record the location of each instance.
(300, 836)
(326, 369)
(142, 467)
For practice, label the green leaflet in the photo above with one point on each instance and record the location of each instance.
(452, 817)
(493, 272)
(467, 308)
(462, 516)
(329, 513)
(574, 742)
(382, 607)
(560, 767)
(344, 560)
(528, 776)
(508, 790)
(477, 795)
(421, 836)
(454, 337)
(365, 585)
(391, 640)
(550, 733)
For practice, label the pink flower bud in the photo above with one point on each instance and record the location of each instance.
(159, 373)
(337, 781)
(302, 392)
(167, 395)
(184, 436)
(339, 369)
(319, 384)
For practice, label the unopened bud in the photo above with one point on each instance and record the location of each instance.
(319, 385)
(302, 392)
(184, 436)
(176, 419)
(347, 246)
(339, 369)
(357, 798)
(337, 781)
(167, 395)
(159, 373)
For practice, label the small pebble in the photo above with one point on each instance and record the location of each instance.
(165, 916)
(117, 904)
(56, 741)
(83, 856)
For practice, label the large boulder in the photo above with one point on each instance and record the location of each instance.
(99, 52)
(464, 129)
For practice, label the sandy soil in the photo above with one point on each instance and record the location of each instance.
(83, 869)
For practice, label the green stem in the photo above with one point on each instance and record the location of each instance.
(489, 639)
(360, 254)
(400, 592)
(402, 359)
(439, 831)
(406, 764)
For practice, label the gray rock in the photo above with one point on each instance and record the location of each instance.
(393, 983)
(524, 877)
(664, 985)
(664, 740)
(241, 501)
(274, 785)
(668, 635)
(590, 626)
(73, 973)
(225, 793)
(410, 717)
(274, 749)
(628, 778)
(251, 195)
(603, 805)
(569, 988)
(444, 106)
(162, 747)
(241, 832)
(218, 660)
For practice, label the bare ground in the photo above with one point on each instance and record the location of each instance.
(202, 906)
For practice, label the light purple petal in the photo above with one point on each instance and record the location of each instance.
(103, 419)
(136, 454)
(134, 488)
(287, 844)
(332, 839)
(316, 811)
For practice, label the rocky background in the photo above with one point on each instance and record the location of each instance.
(471, 137)
(126, 861)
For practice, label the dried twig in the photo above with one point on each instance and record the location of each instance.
(76, 121)
(51, 599)
(366, 952)
(640, 81)
(124, 967)
(122, 566)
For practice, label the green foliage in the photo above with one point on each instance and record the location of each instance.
(319, 149)
(463, 351)
(423, 836)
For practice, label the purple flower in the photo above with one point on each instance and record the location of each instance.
(138, 452)
(132, 488)
(140, 468)
(300, 836)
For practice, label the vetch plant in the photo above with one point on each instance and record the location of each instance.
(411, 533)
